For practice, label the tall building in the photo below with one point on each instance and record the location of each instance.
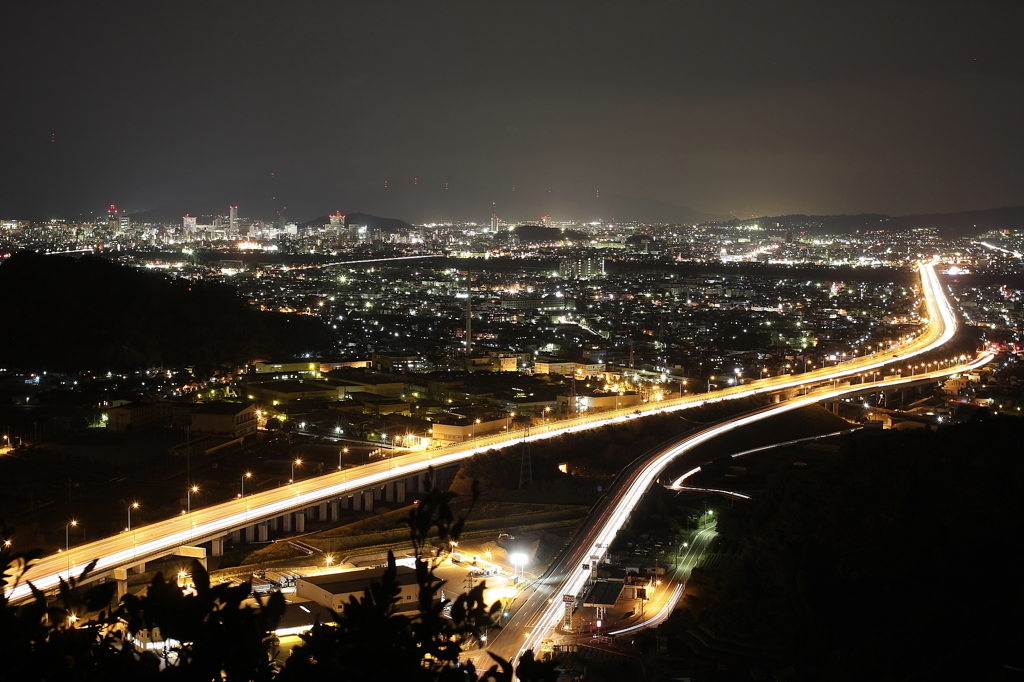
(113, 224)
(188, 224)
(233, 218)
(581, 267)
(124, 224)
(494, 217)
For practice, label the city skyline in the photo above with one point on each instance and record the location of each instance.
(664, 110)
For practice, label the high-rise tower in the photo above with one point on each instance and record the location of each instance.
(494, 217)
(233, 218)
(113, 223)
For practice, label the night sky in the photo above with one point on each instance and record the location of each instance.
(742, 108)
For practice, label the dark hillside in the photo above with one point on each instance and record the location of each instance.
(88, 313)
(893, 561)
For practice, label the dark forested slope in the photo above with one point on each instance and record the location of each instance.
(64, 313)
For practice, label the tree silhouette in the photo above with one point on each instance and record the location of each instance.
(216, 633)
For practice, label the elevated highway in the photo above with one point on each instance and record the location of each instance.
(288, 505)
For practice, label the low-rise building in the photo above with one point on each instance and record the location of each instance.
(139, 416)
(598, 400)
(457, 428)
(334, 590)
(225, 419)
(286, 391)
(295, 367)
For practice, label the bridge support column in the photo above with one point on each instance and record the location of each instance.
(250, 533)
(121, 576)
(378, 493)
(322, 513)
(368, 500)
(139, 568)
(236, 536)
(400, 490)
(197, 553)
(217, 547)
(333, 511)
(262, 532)
(286, 523)
(300, 521)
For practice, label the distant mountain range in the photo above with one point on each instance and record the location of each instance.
(949, 225)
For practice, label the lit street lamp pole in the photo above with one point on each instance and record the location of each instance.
(519, 565)
(67, 543)
(246, 475)
(340, 453)
(296, 462)
(188, 498)
(133, 505)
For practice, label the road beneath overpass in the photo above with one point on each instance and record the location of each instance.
(166, 537)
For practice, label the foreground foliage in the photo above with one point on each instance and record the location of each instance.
(216, 634)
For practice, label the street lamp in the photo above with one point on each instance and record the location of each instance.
(519, 560)
(296, 462)
(67, 543)
(246, 475)
(188, 498)
(343, 451)
(474, 428)
(133, 505)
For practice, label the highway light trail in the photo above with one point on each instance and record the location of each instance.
(163, 537)
(693, 553)
(628, 501)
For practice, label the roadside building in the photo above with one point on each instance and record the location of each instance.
(597, 400)
(334, 590)
(457, 428)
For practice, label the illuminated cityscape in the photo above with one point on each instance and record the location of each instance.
(573, 343)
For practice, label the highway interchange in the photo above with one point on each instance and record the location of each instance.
(536, 616)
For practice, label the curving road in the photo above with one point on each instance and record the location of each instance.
(543, 609)
(164, 537)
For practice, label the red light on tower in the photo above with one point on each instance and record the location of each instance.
(112, 210)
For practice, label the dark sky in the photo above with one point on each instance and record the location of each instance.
(726, 107)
